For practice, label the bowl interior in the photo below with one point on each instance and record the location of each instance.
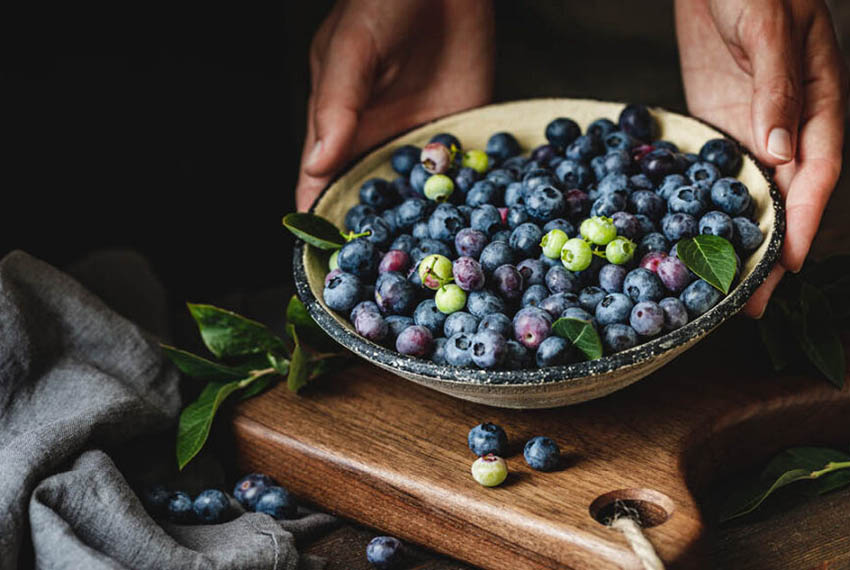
(527, 120)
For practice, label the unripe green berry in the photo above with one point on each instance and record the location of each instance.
(476, 160)
(333, 262)
(490, 470)
(576, 254)
(553, 242)
(619, 250)
(435, 271)
(439, 187)
(450, 298)
(598, 230)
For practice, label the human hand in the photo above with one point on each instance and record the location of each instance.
(381, 67)
(769, 72)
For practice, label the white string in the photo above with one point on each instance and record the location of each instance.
(627, 521)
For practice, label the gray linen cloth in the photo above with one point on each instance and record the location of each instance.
(77, 382)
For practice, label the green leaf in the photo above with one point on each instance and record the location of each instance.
(196, 418)
(227, 334)
(309, 332)
(582, 334)
(280, 364)
(257, 386)
(298, 369)
(314, 230)
(790, 466)
(818, 339)
(198, 367)
(711, 257)
(296, 314)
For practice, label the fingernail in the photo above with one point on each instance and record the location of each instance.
(314, 154)
(779, 144)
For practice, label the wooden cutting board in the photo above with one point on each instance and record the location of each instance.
(390, 454)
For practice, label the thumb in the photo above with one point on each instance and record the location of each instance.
(777, 92)
(342, 91)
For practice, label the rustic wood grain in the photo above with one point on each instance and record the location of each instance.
(393, 455)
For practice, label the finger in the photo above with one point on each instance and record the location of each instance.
(820, 147)
(305, 189)
(343, 89)
(758, 302)
(309, 188)
(769, 45)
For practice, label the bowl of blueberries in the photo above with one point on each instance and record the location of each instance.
(468, 238)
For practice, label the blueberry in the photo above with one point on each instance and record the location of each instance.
(428, 316)
(531, 327)
(578, 203)
(717, 223)
(507, 282)
(396, 324)
(486, 219)
(724, 154)
(748, 235)
(539, 177)
(584, 148)
(496, 254)
(731, 196)
(498, 323)
(394, 294)
(673, 273)
(591, 296)
(502, 146)
(514, 195)
(542, 453)
(211, 506)
(643, 285)
(554, 351)
(611, 277)
(482, 192)
(385, 552)
(543, 154)
(465, 211)
(445, 222)
(249, 488)
(562, 131)
(379, 231)
(652, 242)
(418, 177)
(637, 121)
(465, 179)
(675, 313)
(405, 158)
(403, 189)
(156, 499)
(468, 274)
(378, 193)
(414, 341)
(371, 325)
(394, 260)
(482, 303)
(487, 438)
(533, 271)
(685, 200)
(342, 292)
(645, 225)
(619, 140)
(649, 204)
(544, 203)
(614, 183)
(357, 213)
(411, 211)
(703, 175)
(671, 183)
(470, 243)
(607, 204)
(501, 177)
(559, 280)
(559, 224)
(446, 139)
(438, 353)
(614, 308)
(579, 313)
(420, 231)
(647, 318)
(503, 236)
(459, 349)
(617, 337)
(390, 216)
(659, 163)
(651, 260)
(534, 295)
(488, 349)
(641, 182)
(525, 240)
(557, 303)
(627, 225)
(460, 322)
(574, 174)
(615, 161)
(516, 217)
(179, 508)
(699, 297)
(517, 356)
(428, 246)
(679, 225)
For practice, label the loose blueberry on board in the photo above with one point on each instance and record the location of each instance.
(542, 453)
(489, 470)
(276, 502)
(155, 499)
(487, 438)
(249, 487)
(385, 552)
(211, 506)
(179, 508)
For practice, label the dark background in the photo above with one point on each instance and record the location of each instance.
(179, 135)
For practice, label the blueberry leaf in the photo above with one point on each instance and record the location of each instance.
(817, 464)
(257, 386)
(582, 334)
(309, 332)
(199, 367)
(314, 230)
(227, 334)
(711, 257)
(818, 339)
(298, 370)
(196, 419)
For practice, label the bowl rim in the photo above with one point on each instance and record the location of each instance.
(574, 373)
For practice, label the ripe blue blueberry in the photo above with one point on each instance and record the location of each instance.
(614, 308)
(724, 154)
(211, 506)
(539, 177)
(607, 204)
(591, 296)
(438, 354)
(396, 324)
(637, 121)
(559, 280)
(378, 193)
(542, 453)
(516, 217)
(611, 277)
(429, 316)
(488, 349)
(525, 240)
(357, 213)
(385, 552)
(276, 502)
(482, 192)
(643, 285)
(659, 163)
(678, 226)
(515, 195)
(717, 223)
(517, 357)
(487, 438)
(544, 203)
(464, 180)
(675, 313)
(445, 223)
(617, 337)
(359, 257)
(731, 196)
(486, 219)
(557, 303)
(748, 235)
(652, 242)
(699, 297)
(703, 175)
(405, 158)
(156, 499)
(647, 203)
(418, 177)
(574, 174)
(685, 200)
(619, 140)
(562, 131)
(554, 351)
(342, 292)
(647, 318)
(377, 230)
(584, 148)
(534, 295)
(249, 488)
(460, 322)
(459, 349)
(502, 146)
(496, 254)
(498, 323)
(179, 508)
(671, 183)
(482, 303)
(394, 294)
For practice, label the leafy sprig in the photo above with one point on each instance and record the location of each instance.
(251, 359)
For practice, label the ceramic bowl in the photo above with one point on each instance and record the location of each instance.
(535, 387)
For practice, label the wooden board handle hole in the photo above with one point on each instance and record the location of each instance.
(649, 507)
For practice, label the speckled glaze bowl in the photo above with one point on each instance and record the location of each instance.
(535, 387)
